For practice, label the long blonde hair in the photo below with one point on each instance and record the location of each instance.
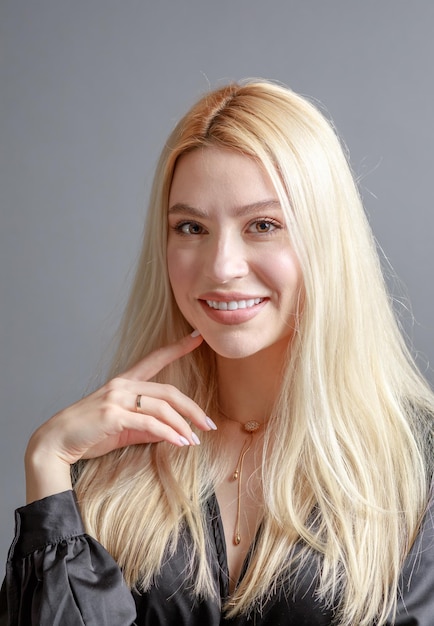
(348, 474)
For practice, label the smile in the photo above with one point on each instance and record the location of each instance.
(233, 305)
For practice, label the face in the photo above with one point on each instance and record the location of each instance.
(233, 272)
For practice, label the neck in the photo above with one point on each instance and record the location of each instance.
(248, 387)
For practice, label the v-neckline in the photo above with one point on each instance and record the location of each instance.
(221, 548)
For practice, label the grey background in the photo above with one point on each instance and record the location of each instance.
(88, 92)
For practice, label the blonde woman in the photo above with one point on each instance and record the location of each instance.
(263, 451)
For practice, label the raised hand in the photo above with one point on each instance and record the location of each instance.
(126, 410)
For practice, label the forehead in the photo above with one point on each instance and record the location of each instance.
(214, 175)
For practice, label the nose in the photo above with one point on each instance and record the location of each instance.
(225, 258)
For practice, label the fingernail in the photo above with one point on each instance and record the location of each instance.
(184, 441)
(210, 423)
(195, 439)
(195, 333)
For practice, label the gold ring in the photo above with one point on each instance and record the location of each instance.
(138, 402)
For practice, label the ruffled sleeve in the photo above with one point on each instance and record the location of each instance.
(56, 575)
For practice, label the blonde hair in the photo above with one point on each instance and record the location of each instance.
(349, 445)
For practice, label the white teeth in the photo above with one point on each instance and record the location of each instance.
(233, 305)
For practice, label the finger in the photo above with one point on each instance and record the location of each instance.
(156, 360)
(155, 432)
(134, 395)
(166, 414)
(140, 428)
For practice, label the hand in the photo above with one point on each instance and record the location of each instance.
(109, 419)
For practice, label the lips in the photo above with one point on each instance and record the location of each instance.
(233, 305)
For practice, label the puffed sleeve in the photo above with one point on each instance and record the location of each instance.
(416, 595)
(56, 575)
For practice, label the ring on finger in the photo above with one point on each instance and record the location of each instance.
(139, 402)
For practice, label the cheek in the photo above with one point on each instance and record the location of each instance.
(180, 275)
(283, 270)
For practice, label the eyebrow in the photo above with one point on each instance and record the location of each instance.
(181, 208)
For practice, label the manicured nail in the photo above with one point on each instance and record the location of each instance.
(195, 438)
(195, 333)
(184, 441)
(210, 423)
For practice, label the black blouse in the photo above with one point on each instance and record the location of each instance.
(56, 575)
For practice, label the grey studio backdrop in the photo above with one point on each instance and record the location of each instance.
(89, 91)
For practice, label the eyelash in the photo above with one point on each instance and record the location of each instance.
(266, 220)
(178, 228)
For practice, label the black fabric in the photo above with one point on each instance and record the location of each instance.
(56, 575)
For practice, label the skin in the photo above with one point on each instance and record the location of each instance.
(228, 242)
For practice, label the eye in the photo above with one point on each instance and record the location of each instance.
(263, 226)
(189, 228)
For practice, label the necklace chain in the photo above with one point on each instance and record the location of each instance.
(251, 428)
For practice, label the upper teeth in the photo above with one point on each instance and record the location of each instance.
(233, 305)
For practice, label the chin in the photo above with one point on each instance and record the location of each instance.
(242, 346)
(231, 348)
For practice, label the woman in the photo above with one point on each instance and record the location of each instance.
(273, 466)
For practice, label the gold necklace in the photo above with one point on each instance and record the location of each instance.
(251, 427)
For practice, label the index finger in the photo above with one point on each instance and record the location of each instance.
(153, 362)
